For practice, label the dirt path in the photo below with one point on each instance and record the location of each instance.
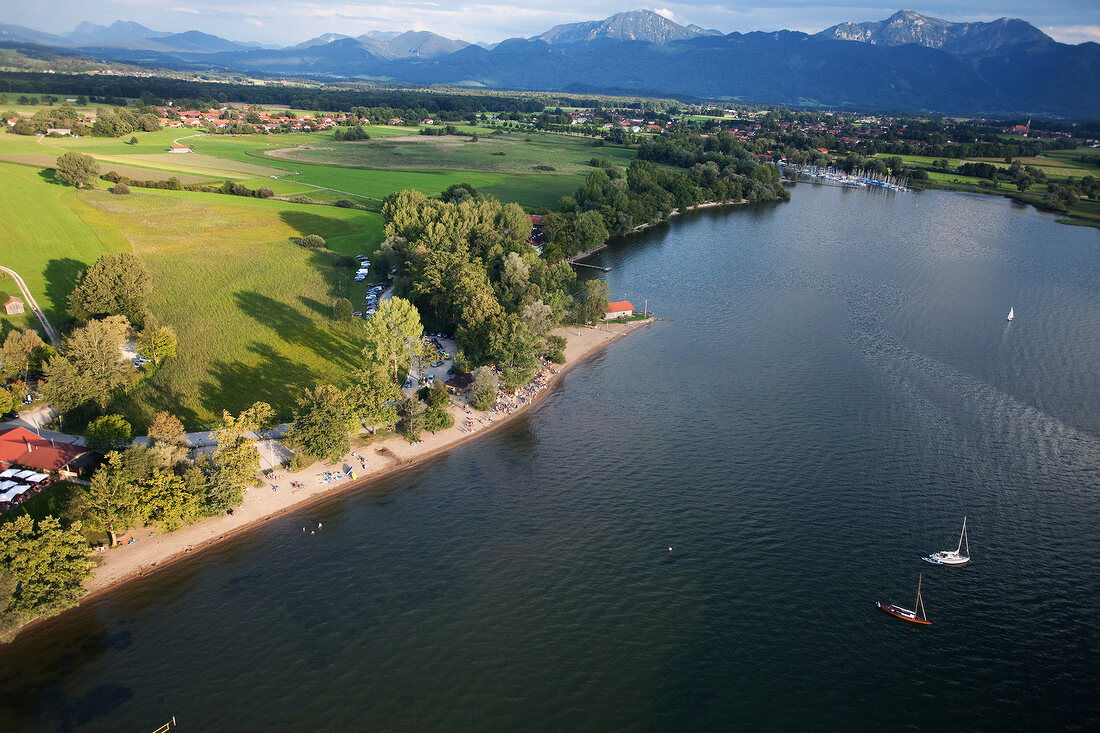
(51, 334)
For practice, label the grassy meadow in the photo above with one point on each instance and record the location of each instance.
(251, 308)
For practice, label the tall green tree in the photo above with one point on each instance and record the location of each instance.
(77, 169)
(391, 335)
(117, 284)
(322, 423)
(373, 397)
(157, 343)
(112, 501)
(236, 458)
(90, 366)
(21, 350)
(48, 562)
(108, 433)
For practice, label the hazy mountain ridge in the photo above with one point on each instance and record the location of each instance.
(906, 26)
(905, 63)
(636, 25)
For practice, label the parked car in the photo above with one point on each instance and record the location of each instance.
(437, 364)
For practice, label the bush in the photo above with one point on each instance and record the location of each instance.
(120, 189)
(264, 193)
(342, 310)
(484, 400)
(313, 241)
(344, 204)
(298, 462)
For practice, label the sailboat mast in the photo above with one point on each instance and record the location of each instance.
(917, 604)
(961, 536)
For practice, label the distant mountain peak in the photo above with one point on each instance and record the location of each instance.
(634, 25)
(908, 26)
(119, 31)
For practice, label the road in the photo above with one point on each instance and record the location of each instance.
(51, 334)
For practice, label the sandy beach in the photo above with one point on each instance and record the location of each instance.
(154, 550)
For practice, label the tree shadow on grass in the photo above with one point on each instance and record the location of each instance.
(140, 407)
(293, 327)
(275, 379)
(60, 276)
(322, 310)
(305, 223)
(49, 175)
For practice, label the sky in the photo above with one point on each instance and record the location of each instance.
(286, 22)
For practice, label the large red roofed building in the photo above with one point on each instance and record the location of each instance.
(618, 309)
(21, 447)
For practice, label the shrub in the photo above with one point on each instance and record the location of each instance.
(313, 241)
(548, 168)
(264, 193)
(120, 189)
(342, 310)
(344, 204)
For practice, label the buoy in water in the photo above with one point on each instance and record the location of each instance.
(670, 549)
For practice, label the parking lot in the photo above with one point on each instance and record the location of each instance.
(436, 366)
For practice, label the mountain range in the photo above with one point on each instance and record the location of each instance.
(907, 62)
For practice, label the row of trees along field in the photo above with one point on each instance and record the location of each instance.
(612, 202)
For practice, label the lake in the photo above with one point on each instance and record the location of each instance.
(833, 387)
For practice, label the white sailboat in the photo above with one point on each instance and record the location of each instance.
(952, 557)
(1010, 314)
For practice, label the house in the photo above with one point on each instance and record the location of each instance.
(396, 121)
(13, 306)
(618, 309)
(178, 149)
(58, 131)
(21, 447)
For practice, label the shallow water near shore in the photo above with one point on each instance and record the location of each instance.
(835, 385)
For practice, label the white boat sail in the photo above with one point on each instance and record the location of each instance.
(952, 557)
(1010, 314)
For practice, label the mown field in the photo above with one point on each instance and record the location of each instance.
(252, 309)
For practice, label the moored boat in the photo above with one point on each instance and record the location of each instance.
(916, 616)
(952, 557)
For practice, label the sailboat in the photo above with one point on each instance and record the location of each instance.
(904, 613)
(952, 557)
(1010, 314)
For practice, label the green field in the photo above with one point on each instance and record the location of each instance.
(252, 309)
(44, 238)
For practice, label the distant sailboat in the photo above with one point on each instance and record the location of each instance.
(1010, 314)
(904, 613)
(952, 557)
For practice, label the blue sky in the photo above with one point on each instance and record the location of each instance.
(291, 21)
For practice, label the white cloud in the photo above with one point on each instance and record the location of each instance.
(1073, 34)
(665, 13)
(254, 21)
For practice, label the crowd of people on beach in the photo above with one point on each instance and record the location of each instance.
(506, 403)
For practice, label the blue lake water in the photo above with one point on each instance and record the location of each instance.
(833, 388)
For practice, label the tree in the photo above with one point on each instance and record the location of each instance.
(391, 334)
(436, 417)
(117, 284)
(20, 350)
(134, 140)
(90, 366)
(157, 343)
(120, 189)
(108, 433)
(411, 412)
(313, 241)
(167, 501)
(591, 307)
(322, 423)
(78, 169)
(111, 501)
(49, 564)
(373, 398)
(166, 427)
(342, 310)
(484, 387)
(236, 459)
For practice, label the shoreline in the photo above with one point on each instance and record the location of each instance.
(155, 551)
(647, 225)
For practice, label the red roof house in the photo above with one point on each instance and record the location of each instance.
(21, 447)
(618, 309)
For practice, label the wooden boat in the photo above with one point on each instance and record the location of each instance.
(952, 557)
(904, 613)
